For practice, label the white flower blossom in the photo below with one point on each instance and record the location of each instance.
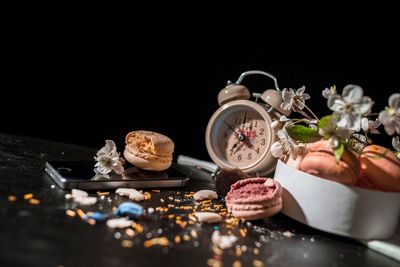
(370, 126)
(285, 145)
(329, 91)
(275, 124)
(283, 118)
(108, 160)
(294, 99)
(390, 117)
(277, 149)
(350, 107)
(334, 133)
(308, 121)
(396, 144)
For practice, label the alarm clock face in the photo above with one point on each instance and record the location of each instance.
(239, 135)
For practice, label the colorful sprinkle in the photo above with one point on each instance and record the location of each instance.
(12, 198)
(28, 196)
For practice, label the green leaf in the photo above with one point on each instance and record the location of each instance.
(338, 151)
(303, 134)
(324, 121)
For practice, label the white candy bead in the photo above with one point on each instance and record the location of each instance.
(119, 223)
(131, 193)
(205, 194)
(208, 217)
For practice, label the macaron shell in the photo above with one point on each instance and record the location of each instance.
(257, 214)
(146, 164)
(321, 162)
(253, 191)
(234, 206)
(147, 156)
(380, 168)
(150, 142)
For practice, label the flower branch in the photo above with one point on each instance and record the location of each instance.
(351, 113)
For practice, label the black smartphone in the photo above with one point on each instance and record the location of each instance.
(80, 174)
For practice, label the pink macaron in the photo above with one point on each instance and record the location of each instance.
(380, 169)
(254, 198)
(321, 162)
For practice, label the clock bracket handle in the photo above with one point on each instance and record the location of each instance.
(272, 97)
(235, 91)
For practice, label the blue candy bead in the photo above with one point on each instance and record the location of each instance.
(97, 216)
(129, 209)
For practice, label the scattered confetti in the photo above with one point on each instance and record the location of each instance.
(258, 263)
(129, 232)
(193, 233)
(238, 251)
(28, 196)
(162, 241)
(288, 234)
(243, 232)
(150, 210)
(179, 212)
(91, 221)
(147, 196)
(127, 243)
(12, 198)
(214, 263)
(81, 214)
(223, 241)
(97, 216)
(70, 213)
(34, 201)
(117, 235)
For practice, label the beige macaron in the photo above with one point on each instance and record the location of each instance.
(149, 150)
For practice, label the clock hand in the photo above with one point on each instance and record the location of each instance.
(241, 136)
(235, 148)
(244, 121)
(232, 129)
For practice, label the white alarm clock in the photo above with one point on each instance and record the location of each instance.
(239, 133)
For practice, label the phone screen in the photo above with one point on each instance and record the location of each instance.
(80, 174)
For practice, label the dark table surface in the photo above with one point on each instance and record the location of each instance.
(43, 235)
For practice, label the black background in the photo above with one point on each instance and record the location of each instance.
(83, 74)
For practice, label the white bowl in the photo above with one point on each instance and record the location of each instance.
(337, 208)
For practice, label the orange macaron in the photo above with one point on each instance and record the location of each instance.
(380, 169)
(321, 162)
(149, 150)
